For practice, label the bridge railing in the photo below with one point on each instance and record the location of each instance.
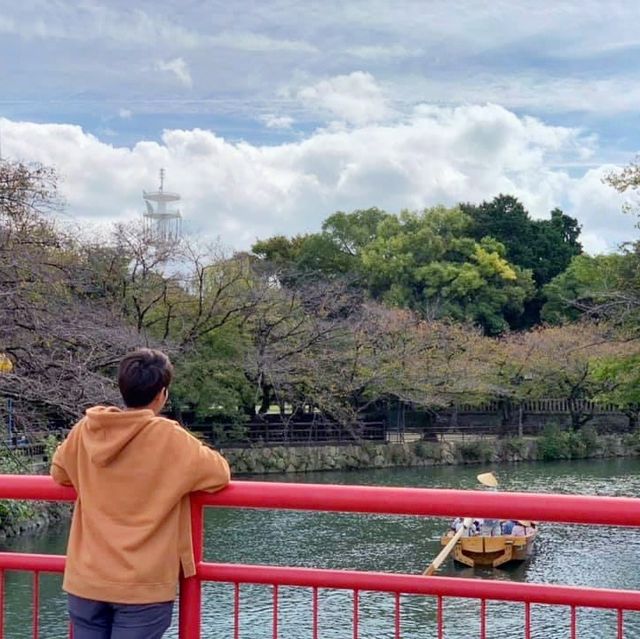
(615, 511)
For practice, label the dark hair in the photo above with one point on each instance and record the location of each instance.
(142, 375)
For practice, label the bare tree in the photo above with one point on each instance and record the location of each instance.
(62, 338)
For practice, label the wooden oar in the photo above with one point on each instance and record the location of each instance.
(444, 553)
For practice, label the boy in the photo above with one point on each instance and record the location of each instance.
(130, 534)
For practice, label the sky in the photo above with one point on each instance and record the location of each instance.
(269, 116)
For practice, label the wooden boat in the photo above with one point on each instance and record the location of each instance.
(485, 550)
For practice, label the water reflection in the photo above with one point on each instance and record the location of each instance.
(576, 555)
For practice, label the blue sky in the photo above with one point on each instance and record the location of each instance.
(270, 115)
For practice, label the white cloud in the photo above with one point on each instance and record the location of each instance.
(179, 68)
(573, 57)
(541, 91)
(277, 121)
(125, 114)
(251, 41)
(242, 191)
(69, 20)
(381, 52)
(601, 216)
(355, 98)
(7, 25)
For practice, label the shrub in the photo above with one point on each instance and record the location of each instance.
(557, 443)
(513, 446)
(590, 439)
(554, 443)
(631, 441)
(398, 454)
(475, 451)
(609, 445)
(370, 449)
(576, 445)
(11, 511)
(50, 442)
(427, 450)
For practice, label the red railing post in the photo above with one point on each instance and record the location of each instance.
(236, 611)
(1, 603)
(356, 614)
(191, 587)
(36, 605)
(314, 613)
(620, 624)
(397, 616)
(275, 612)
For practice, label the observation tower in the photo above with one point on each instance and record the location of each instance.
(162, 223)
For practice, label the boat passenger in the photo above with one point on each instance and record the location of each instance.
(519, 530)
(507, 527)
(490, 527)
(456, 524)
(474, 529)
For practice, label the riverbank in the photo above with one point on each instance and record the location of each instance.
(19, 518)
(32, 519)
(555, 444)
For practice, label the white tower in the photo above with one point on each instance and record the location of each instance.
(162, 224)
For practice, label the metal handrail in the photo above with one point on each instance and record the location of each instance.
(577, 509)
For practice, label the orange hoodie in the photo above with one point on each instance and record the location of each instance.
(131, 528)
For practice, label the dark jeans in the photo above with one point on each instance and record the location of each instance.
(101, 620)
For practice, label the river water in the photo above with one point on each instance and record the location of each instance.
(574, 555)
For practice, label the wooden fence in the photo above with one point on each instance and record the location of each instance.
(486, 418)
(543, 407)
(283, 433)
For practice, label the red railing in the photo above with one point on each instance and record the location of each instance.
(614, 511)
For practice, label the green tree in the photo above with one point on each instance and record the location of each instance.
(620, 377)
(505, 219)
(282, 252)
(427, 262)
(333, 252)
(210, 378)
(592, 285)
(351, 232)
(556, 244)
(304, 257)
(545, 247)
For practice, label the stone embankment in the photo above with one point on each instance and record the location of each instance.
(260, 460)
(45, 516)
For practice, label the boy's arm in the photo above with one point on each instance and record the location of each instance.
(59, 463)
(214, 473)
(57, 469)
(208, 469)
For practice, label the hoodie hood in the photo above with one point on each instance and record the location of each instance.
(109, 430)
